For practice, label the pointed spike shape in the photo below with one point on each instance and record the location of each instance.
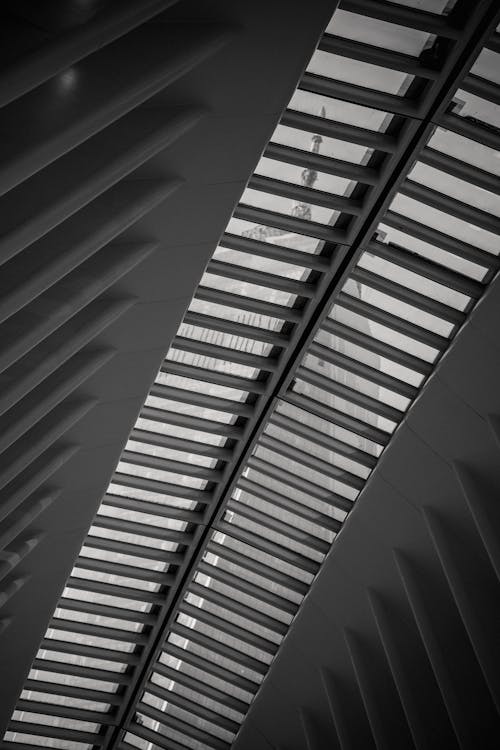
(421, 733)
(28, 372)
(149, 59)
(336, 699)
(315, 733)
(10, 588)
(49, 311)
(42, 435)
(51, 392)
(12, 558)
(49, 198)
(380, 725)
(19, 489)
(27, 513)
(483, 508)
(426, 627)
(4, 624)
(477, 606)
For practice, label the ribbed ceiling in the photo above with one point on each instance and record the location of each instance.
(364, 238)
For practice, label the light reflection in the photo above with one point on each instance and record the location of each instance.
(67, 81)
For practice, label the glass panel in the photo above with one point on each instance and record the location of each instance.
(149, 496)
(317, 478)
(274, 236)
(220, 637)
(340, 404)
(230, 617)
(80, 572)
(106, 622)
(382, 333)
(357, 383)
(471, 106)
(258, 262)
(293, 174)
(251, 577)
(200, 386)
(38, 741)
(237, 315)
(397, 308)
(66, 679)
(432, 252)
(369, 358)
(169, 733)
(371, 31)
(82, 661)
(466, 150)
(247, 289)
(359, 73)
(487, 66)
(289, 207)
(263, 532)
(459, 189)
(182, 432)
(89, 640)
(323, 427)
(210, 363)
(201, 412)
(136, 470)
(64, 700)
(230, 341)
(332, 147)
(203, 677)
(447, 224)
(246, 550)
(122, 559)
(236, 595)
(439, 7)
(317, 500)
(196, 698)
(139, 517)
(54, 721)
(108, 600)
(318, 451)
(414, 281)
(221, 661)
(189, 718)
(132, 739)
(289, 517)
(171, 454)
(340, 111)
